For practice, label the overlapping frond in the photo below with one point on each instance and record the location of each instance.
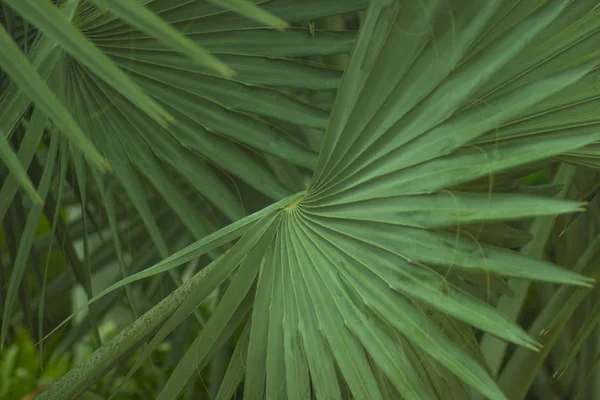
(360, 284)
(209, 111)
(353, 291)
(141, 83)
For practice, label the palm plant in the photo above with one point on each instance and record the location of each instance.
(379, 245)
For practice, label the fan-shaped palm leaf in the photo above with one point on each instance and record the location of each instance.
(348, 290)
(110, 76)
(353, 265)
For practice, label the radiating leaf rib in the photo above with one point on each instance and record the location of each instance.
(419, 329)
(140, 153)
(460, 333)
(220, 151)
(254, 385)
(214, 240)
(381, 347)
(189, 365)
(252, 11)
(409, 33)
(241, 128)
(148, 22)
(27, 237)
(25, 76)
(46, 17)
(346, 349)
(410, 214)
(286, 10)
(565, 42)
(43, 57)
(420, 283)
(178, 13)
(236, 43)
(565, 116)
(83, 106)
(216, 273)
(296, 367)
(106, 357)
(276, 385)
(475, 121)
(384, 386)
(380, 16)
(470, 163)
(321, 364)
(446, 209)
(255, 70)
(164, 145)
(512, 305)
(237, 96)
(230, 158)
(233, 297)
(99, 24)
(133, 185)
(379, 161)
(425, 81)
(445, 249)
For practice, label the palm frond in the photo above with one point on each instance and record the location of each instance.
(372, 281)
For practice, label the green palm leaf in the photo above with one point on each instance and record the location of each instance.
(355, 264)
(353, 285)
(24, 75)
(139, 16)
(53, 23)
(12, 161)
(29, 145)
(90, 59)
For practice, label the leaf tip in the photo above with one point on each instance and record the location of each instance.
(589, 282)
(534, 345)
(282, 26)
(228, 72)
(164, 119)
(107, 167)
(37, 199)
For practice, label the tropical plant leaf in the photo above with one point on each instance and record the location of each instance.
(26, 240)
(29, 144)
(354, 280)
(511, 306)
(237, 290)
(252, 11)
(119, 128)
(24, 75)
(585, 334)
(20, 176)
(547, 328)
(235, 369)
(139, 16)
(43, 14)
(360, 174)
